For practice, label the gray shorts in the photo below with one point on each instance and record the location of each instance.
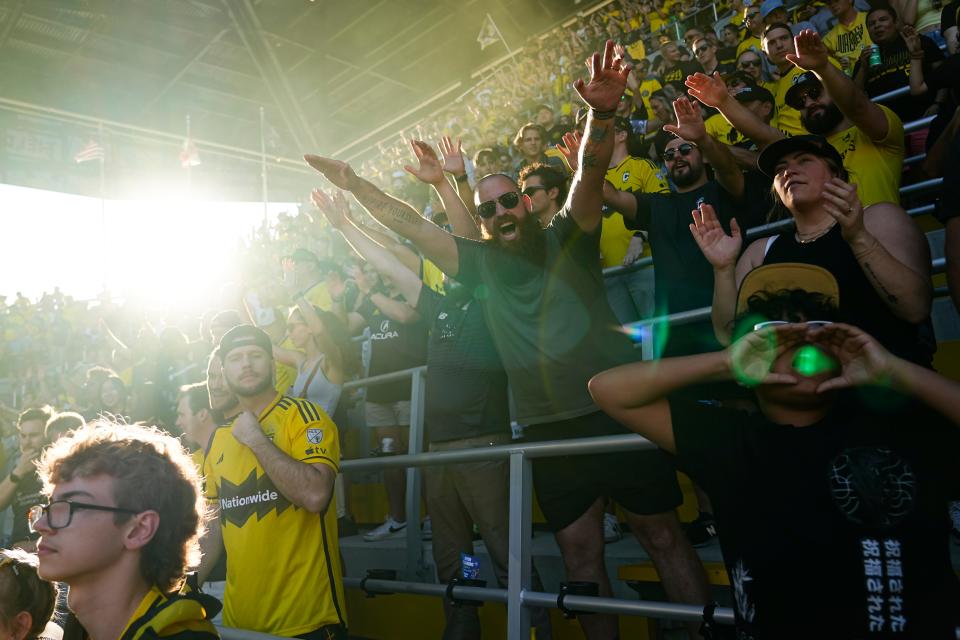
(387, 414)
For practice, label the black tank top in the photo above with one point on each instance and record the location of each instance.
(860, 305)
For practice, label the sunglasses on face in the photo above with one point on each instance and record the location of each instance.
(532, 189)
(683, 149)
(701, 50)
(813, 93)
(750, 63)
(508, 200)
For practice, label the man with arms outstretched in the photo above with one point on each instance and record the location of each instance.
(546, 307)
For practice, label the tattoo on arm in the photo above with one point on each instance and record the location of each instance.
(589, 161)
(892, 299)
(598, 134)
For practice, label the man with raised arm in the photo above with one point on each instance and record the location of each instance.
(544, 302)
(868, 136)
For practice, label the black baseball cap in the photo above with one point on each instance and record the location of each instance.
(817, 145)
(753, 93)
(805, 79)
(244, 335)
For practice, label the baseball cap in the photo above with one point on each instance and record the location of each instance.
(799, 81)
(817, 145)
(769, 6)
(244, 335)
(752, 93)
(787, 275)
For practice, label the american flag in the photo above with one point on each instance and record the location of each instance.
(90, 151)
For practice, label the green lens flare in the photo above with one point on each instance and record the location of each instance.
(810, 361)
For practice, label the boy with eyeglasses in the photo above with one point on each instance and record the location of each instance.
(835, 494)
(121, 528)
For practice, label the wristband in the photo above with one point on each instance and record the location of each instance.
(602, 115)
(462, 178)
(14, 478)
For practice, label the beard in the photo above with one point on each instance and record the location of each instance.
(260, 387)
(688, 177)
(529, 243)
(821, 121)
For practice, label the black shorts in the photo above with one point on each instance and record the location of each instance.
(642, 482)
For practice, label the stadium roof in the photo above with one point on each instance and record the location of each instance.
(328, 73)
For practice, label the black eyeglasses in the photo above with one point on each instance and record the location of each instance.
(532, 189)
(507, 200)
(683, 149)
(750, 63)
(59, 513)
(700, 50)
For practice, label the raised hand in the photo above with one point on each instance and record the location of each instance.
(690, 124)
(842, 202)
(862, 360)
(452, 156)
(608, 79)
(812, 54)
(429, 170)
(720, 250)
(751, 358)
(336, 209)
(710, 90)
(912, 38)
(570, 148)
(338, 172)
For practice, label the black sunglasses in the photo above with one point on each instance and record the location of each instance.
(750, 63)
(684, 150)
(507, 200)
(700, 50)
(814, 91)
(532, 189)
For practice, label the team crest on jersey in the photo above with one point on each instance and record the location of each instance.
(314, 436)
(255, 495)
(625, 176)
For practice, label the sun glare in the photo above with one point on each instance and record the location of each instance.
(171, 252)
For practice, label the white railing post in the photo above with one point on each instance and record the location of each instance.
(518, 564)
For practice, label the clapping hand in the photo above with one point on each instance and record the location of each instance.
(338, 172)
(842, 202)
(720, 250)
(570, 148)
(608, 79)
(429, 170)
(452, 156)
(812, 54)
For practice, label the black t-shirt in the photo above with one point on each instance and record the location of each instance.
(727, 56)
(28, 493)
(950, 16)
(677, 74)
(394, 346)
(894, 72)
(550, 320)
(466, 384)
(683, 279)
(860, 304)
(835, 530)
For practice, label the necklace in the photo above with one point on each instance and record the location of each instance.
(816, 235)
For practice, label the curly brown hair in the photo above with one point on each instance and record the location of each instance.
(21, 589)
(152, 472)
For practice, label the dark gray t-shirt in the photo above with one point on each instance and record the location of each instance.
(551, 322)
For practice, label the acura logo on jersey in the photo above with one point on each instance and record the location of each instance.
(254, 495)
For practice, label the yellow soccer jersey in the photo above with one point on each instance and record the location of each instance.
(182, 615)
(284, 375)
(431, 275)
(750, 42)
(788, 118)
(875, 167)
(647, 86)
(847, 40)
(633, 174)
(284, 573)
(719, 129)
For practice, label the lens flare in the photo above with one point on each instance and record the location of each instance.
(810, 361)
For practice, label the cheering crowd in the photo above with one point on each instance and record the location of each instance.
(804, 406)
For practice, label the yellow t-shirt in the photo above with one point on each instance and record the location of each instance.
(283, 577)
(284, 375)
(786, 118)
(750, 42)
(633, 174)
(874, 167)
(719, 129)
(431, 275)
(637, 49)
(848, 40)
(647, 86)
